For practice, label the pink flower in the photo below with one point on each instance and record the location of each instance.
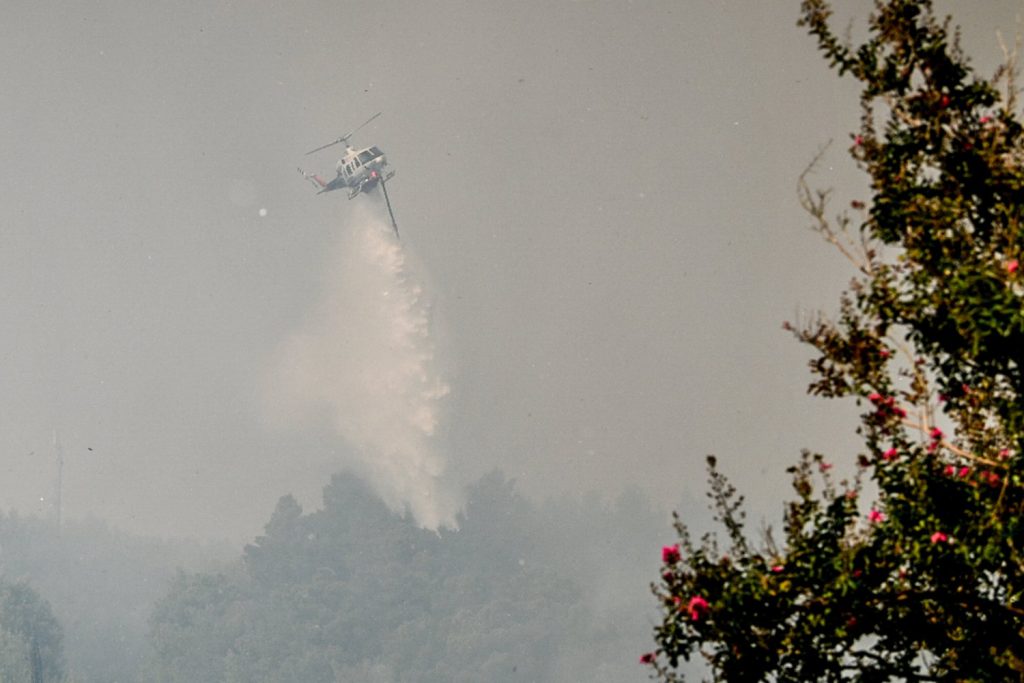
(670, 554)
(890, 454)
(825, 466)
(647, 658)
(885, 353)
(858, 140)
(875, 516)
(964, 471)
(1004, 454)
(886, 405)
(936, 433)
(949, 471)
(1012, 266)
(939, 537)
(698, 607)
(777, 569)
(984, 119)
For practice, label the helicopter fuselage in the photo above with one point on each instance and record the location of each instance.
(361, 170)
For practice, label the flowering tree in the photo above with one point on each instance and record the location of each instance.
(924, 581)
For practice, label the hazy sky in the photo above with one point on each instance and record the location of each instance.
(598, 199)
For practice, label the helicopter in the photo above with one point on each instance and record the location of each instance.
(360, 170)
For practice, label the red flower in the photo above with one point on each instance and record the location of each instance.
(949, 471)
(886, 405)
(876, 517)
(1012, 266)
(936, 433)
(939, 537)
(777, 569)
(698, 607)
(890, 454)
(647, 658)
(945, 101)
(964, 471)
(670, 554)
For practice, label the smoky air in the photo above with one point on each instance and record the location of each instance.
(304, 437)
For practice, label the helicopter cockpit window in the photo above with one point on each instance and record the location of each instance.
(367, 156)
(375, 152)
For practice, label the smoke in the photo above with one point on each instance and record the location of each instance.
(365, 360)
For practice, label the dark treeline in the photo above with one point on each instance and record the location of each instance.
(356, 592)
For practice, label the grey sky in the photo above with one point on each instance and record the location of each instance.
(599, 194)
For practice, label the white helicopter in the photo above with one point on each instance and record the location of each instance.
(360, 170)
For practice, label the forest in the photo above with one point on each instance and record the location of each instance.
(521, 591)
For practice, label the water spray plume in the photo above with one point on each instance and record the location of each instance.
(366, 359)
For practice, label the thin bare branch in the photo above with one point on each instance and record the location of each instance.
(815, 202)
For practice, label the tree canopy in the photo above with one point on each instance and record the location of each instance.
(911, 570)
(355, 591)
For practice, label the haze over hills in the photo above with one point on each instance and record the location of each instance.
(519, 592)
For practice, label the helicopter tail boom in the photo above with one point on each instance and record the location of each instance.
(318, 182)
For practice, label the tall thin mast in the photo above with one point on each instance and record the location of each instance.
(58, 502)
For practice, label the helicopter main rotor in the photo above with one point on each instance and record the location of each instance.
(344, 138)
